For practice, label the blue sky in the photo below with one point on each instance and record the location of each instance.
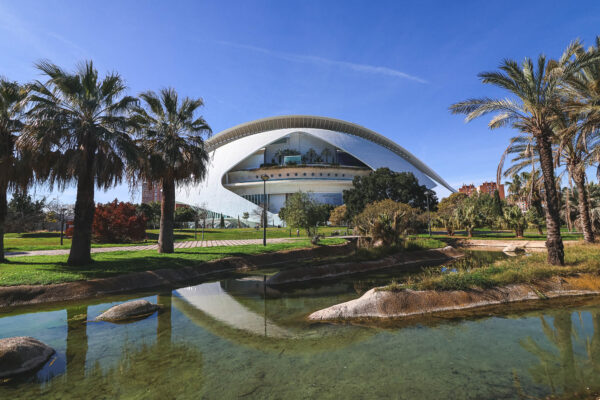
(393, 66)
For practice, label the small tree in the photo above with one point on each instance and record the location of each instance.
(515, 220)
(535, 218)
(468, 216)
(386, 222)
(338, 215)
(300, 211)
(445, 213)
(24, 213)
(118, 222)
(222, 222)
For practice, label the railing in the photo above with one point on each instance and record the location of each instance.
(318, 172)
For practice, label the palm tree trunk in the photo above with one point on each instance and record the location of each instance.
(554, 243)
(81, 245)
(77, 344)
(167, 216)
(568, 203)
(3, 213)
(584, 206)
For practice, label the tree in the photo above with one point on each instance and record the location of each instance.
(185, 214)
(300, 211)
(386, 222)
(468, 216)
(338, 216)
(222, 222)
(151, 211)
(514, 219)
(383, 184)
(325, 154)
(171, 138)
(15, 173)
(536, 96)
(24, 214)
(78, 128)
(497, 204)
(535, 218)
(445, 213)
(118, 222)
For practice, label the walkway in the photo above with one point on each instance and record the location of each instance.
(178, 245)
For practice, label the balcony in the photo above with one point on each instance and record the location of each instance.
(295, 172)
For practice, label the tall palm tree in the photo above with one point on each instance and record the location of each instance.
(78, 126)
(536, 92)
(14, 171)
(577, 150)
(172, 144)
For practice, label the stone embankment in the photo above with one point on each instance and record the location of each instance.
(37, 294)
(402, 259)
(378, 303)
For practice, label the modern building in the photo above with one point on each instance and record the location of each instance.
(317, 155)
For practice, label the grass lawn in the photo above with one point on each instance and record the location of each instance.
(580, 258)
(53, 269)
(490, 234)
(51, 240)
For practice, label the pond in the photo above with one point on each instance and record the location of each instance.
(236, 338)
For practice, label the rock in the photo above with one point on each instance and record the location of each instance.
(512, 248)
(22, 354)
(129, 310)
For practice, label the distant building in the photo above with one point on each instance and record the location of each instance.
(151, 192)
(491, 187)
(467, 189)
(485, 187)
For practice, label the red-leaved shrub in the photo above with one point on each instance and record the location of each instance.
(118, 222)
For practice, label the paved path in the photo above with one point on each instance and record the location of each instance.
(178, 245)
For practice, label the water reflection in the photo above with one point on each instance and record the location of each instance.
(567, 368)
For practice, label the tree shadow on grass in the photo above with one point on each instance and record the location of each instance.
(34, 235)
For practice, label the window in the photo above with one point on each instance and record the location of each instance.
(256, 176)
(335, 174)
(343, 174)
(321, 174)
(280, 175)
(328, 174)
(313, 174)
(287, 174)
(304, 174)
(296, 174)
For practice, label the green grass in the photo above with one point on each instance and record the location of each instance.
(51, 240)
(53, 269)
(490, 234)
(583, 258)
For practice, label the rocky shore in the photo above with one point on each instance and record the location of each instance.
(377, 303)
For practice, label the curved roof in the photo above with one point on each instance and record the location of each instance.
(315, 122)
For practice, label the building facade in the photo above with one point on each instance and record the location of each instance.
(317, 155)
(485, 187)
(151, 192)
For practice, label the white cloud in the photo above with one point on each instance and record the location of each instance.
(370, 69)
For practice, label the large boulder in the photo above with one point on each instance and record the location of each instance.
(131, 310)
(22, 354)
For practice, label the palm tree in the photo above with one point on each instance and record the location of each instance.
(13, 163)
(574, 150)
(77, 125)
(170, 137)
(325, 154)
(536, 91)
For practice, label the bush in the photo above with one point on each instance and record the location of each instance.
(118, 222)
(386, 222)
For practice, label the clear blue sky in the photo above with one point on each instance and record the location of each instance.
(393, 66)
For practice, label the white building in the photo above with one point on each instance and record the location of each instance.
(317, 155)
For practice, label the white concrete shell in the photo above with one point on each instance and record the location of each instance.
(230, 147)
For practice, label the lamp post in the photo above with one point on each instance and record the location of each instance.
(62, 224)
(265, 178)
(428, 214)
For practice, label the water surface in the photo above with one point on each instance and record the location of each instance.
(236, 338)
